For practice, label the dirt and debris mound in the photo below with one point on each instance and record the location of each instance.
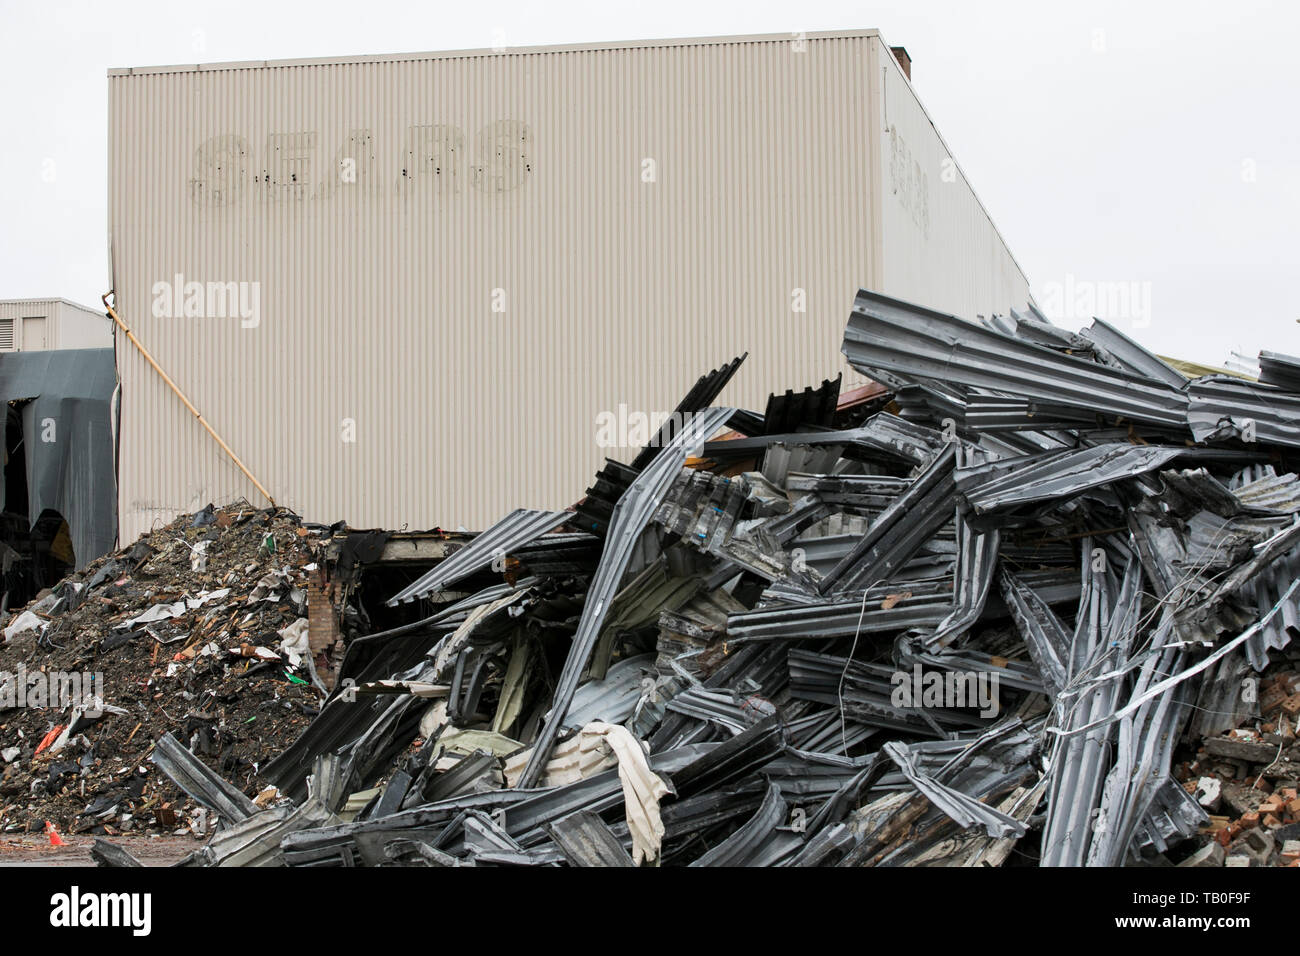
(198, 629)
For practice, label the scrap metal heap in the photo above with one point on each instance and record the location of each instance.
(1030, 605)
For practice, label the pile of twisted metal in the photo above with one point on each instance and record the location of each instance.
(985, 614)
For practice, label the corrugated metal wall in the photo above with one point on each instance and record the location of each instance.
(83, 328)
(377, 381)
(940, 249)
(66, 326)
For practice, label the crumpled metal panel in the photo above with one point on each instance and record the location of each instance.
(1223, 407)
(613, 698)
(964, 809)
(1280, 371)
(1264, 488)
(520, 527)
(632, 513)
(838, 618)
(883, 432)
(901, 529)
(1102, 641)
(192, 776)
(1001, 486)
(920, 344)
(1132, 356)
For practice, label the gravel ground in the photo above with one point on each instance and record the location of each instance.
(149, 850)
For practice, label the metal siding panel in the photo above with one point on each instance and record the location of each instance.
(377, 306)
(79, 328)
(960, 264)
(67, 324)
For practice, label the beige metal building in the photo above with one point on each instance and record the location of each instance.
(409, 290)
(32, 325)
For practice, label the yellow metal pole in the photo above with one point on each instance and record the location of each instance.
(188, 404)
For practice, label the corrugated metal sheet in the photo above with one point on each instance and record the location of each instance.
(376, 382)
(518, 528)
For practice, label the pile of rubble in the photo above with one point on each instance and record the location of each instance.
(198, 629)
(1246, 780)
(1028, 602)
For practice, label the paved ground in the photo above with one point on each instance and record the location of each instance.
(36, 850)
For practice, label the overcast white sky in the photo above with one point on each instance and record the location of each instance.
(1111, 142)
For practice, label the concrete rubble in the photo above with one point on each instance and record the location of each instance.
(1029, 600)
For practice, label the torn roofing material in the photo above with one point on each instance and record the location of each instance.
(593, 513)
(1226, 407)
(1281, 371)
(631, 515)
(887, 335)
(192, 776)
(1007, 485)
(1132, 356)
(701, 396)
(519, 528)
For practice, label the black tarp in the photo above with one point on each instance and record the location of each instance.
(68, 429)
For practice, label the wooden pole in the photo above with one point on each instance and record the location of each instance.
(188, 404)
